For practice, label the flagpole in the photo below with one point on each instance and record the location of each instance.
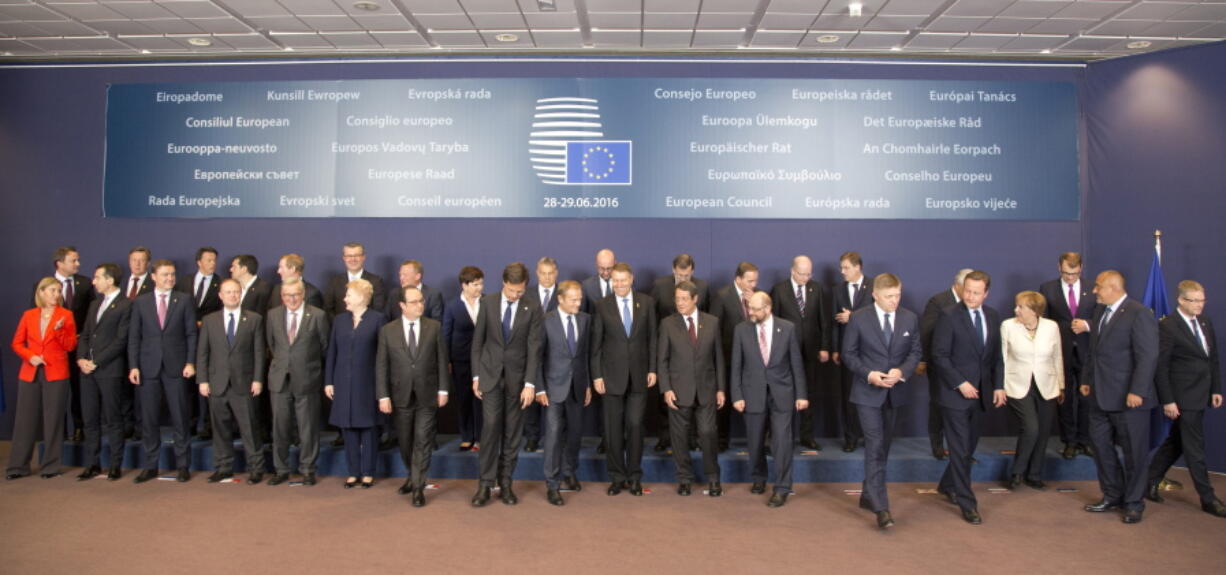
(1165, 484)
(1158, 245)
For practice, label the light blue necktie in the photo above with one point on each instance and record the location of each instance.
(627, 320)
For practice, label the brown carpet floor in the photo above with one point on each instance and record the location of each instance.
(64, 526)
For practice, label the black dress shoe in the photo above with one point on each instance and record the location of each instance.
(254, 478)
(1070, 451)
(219, 476)
(948, 495)
(419, 498)
(662, 445)
(601, 449)
(78, 435)
(849, 446)
(367, 483)
(758, 488)
(1102, 506)
(777, 499)
(636, 488)
(1086, 450)
(884, 521)
(694, 445)
(1215, 508)
(1132, 516)
(531, 446)
(339, 441)
(683, 490)
(482, 496)
(12, 476)
(183, 475)
(572, 483)
(714, 489)
(407, 488)
(940, 454)
(723, 446)
(972, 516)
(351, 483)
(278, 479)
(811, 444)
(1015, 481)
(136, 435)
(51, 475)
(1154, 494)
(555, 497)
(388, 443)
(145, 475)
(309, 479)
(1035, 484)
(114, 474)
(614, 488)
(507, 495)
(204, 435)
(466, 446)
(864, 504)
(89, 473)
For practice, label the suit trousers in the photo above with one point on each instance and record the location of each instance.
(533, 428)
(287, 408)
(708, 440)
(1187, 438)
(782, 446)
(623, 435)
(878, 426)
(936, 422)
(100, 408)
(1125, 482)
(563, 438)
(416, 425)
(361, 448)
(1075, 411)
(853, 431)
(468, 407)
(74, 392)
(501, 436)
(808, 418)
(40, 409)
(235, 407)
(200, 409)
(1035, 415)
(152, 390)
(129, 407)
(962, 434)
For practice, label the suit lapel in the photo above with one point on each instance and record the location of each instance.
(777, 342)
(1188, 335)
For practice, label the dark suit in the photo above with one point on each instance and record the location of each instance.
(432, 297)
(208, 302)
(146, 285)
(726, 305)
(961, 354)
(503, 366)
(928, 323)
(565, 380)
(256, 298)
(229, 367)
(1189, 378)
(313, 296)
(594, 289)
(664, 291)
(813, 325)
(412, 377)
(458, 333)
(865, 350)
(334, 296)
(695, 373)
(104, 342)
(840, 300)
(769, 387)
(160, 353)
(533, 430)
(350, 370)
(1122, 360)
(82, 295)
(623, 362)
(295, 383)
(1075, 411)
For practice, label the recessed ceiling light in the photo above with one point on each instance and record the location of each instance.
(506, 38)
(289, 48)
(8, 53)
(827, 39)
(145, 51)
(366, 5)
(855, 9)
(202, 42)
(1045, 51)
(1138, 44)
(896, 48)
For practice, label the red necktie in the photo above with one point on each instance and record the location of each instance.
(162, 311)
(693, 332)
(132, 291)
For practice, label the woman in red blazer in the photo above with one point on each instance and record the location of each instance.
(44, 337)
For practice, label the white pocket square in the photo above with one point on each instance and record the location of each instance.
(906, 333)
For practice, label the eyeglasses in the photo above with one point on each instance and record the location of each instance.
(1194, 301)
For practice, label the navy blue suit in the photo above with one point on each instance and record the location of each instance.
(769, 387)
(160, 353)
(565, 380)
(1075, 411)
(533, 430)
(840, 300)
(865, 350)
(458, 333)
(961, 354)
(350, 370)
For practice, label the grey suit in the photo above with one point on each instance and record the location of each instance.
(566, 382)
(695, 373)
(228, 368)
(295, 383)
(412, 379)
(769, 387)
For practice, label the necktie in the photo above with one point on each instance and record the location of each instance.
(762, 346)
(162, 311)
(506, 323)
(412, 339)
(606, 288)
(132, 290)
(627, 318)
(1072, 301)
(979, 328)
(888, 330)
(102, 309)
(545, 301)
(1102, 323)
(230, 329)
(693, 332)
(571, 342)
(1196, 332)
(68, 293)
(800, 299)
(745, 305)
(293, 326)
(200, 290)
(852, 298)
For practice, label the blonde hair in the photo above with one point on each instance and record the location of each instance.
(362, 287)
(1033, 301)
(42, 285)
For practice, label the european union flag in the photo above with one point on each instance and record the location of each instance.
(598, 162)
(1155, 299)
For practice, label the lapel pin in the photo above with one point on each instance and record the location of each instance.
(906, 333)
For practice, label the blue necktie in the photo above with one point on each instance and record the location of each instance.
(506, 324)
(570, 334)
(230, 330)
(627, 320)
(889, 330)
(979, 328)
(1196, 332)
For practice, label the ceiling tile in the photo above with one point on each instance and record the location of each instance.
(718, 38)
(552, 20)
(777, 38)
(795, 6)
(614, 5)
(97, 44)
(956, 24)
(351, 40)
(1173, 28)
(664, 5)
(87, 11)
(616, 38)
(172, 26)
(1007, 25)
(523, 39)
(386, 8)
(786, 21)
(121, 27)
(27, 12)
(194, 9)
(141, 10)
(729, 5)
(558, 38)
(876, 41)
(313, 7)
(444, 21)
(248, 41)
(723, 20)
(984, 42)
(527, 6)
(1206, 12)
(490, 20)
(384, 22)
(1032, 43)
(457, 39)
(1088, 44)
(911, 7)
(303, 41)
(18, 48)
(471, 6)
(934, 41)
(666, 38)
(1152, 10)
(19, 29)
(1033, 9)
(256, 7)
(1214, 31)
(1122, 27)
(152, 43)
(434, 6)
(66, 28)
(400, 39)
(895, 23)
(221, 25)
(280, 24)
(1090, 9)
(1061, 26)
(810, 41)
(977, 7)
(668, 20)
(330, 23)
(833, 22)
(615, 19)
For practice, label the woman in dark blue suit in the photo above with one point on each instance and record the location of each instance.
(350, 380)
(458, 323)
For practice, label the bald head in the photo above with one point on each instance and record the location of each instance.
(759, 307)
(802, 269)
(1109, 287)
(605, 259)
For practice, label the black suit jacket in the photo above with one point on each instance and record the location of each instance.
(959, 355)
(82, 295)
(928, 321)
(534, 294)
(813, 326)
(726, 305)
(458, 331)
(664, 291)
(693, 372)
(334, 296)
(313, 296)
(105, 341)
(257, 297)
(1187, 376)
(153, 349)
(145, 286)
(400, 375)
(211, 301)
(222, 365)
(1054, 292)
(592, 292)
(624, 362)
(1123, 356)
(512, 361)
(433, 299)
(839, 301)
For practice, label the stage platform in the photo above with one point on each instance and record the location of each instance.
(910, 461)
